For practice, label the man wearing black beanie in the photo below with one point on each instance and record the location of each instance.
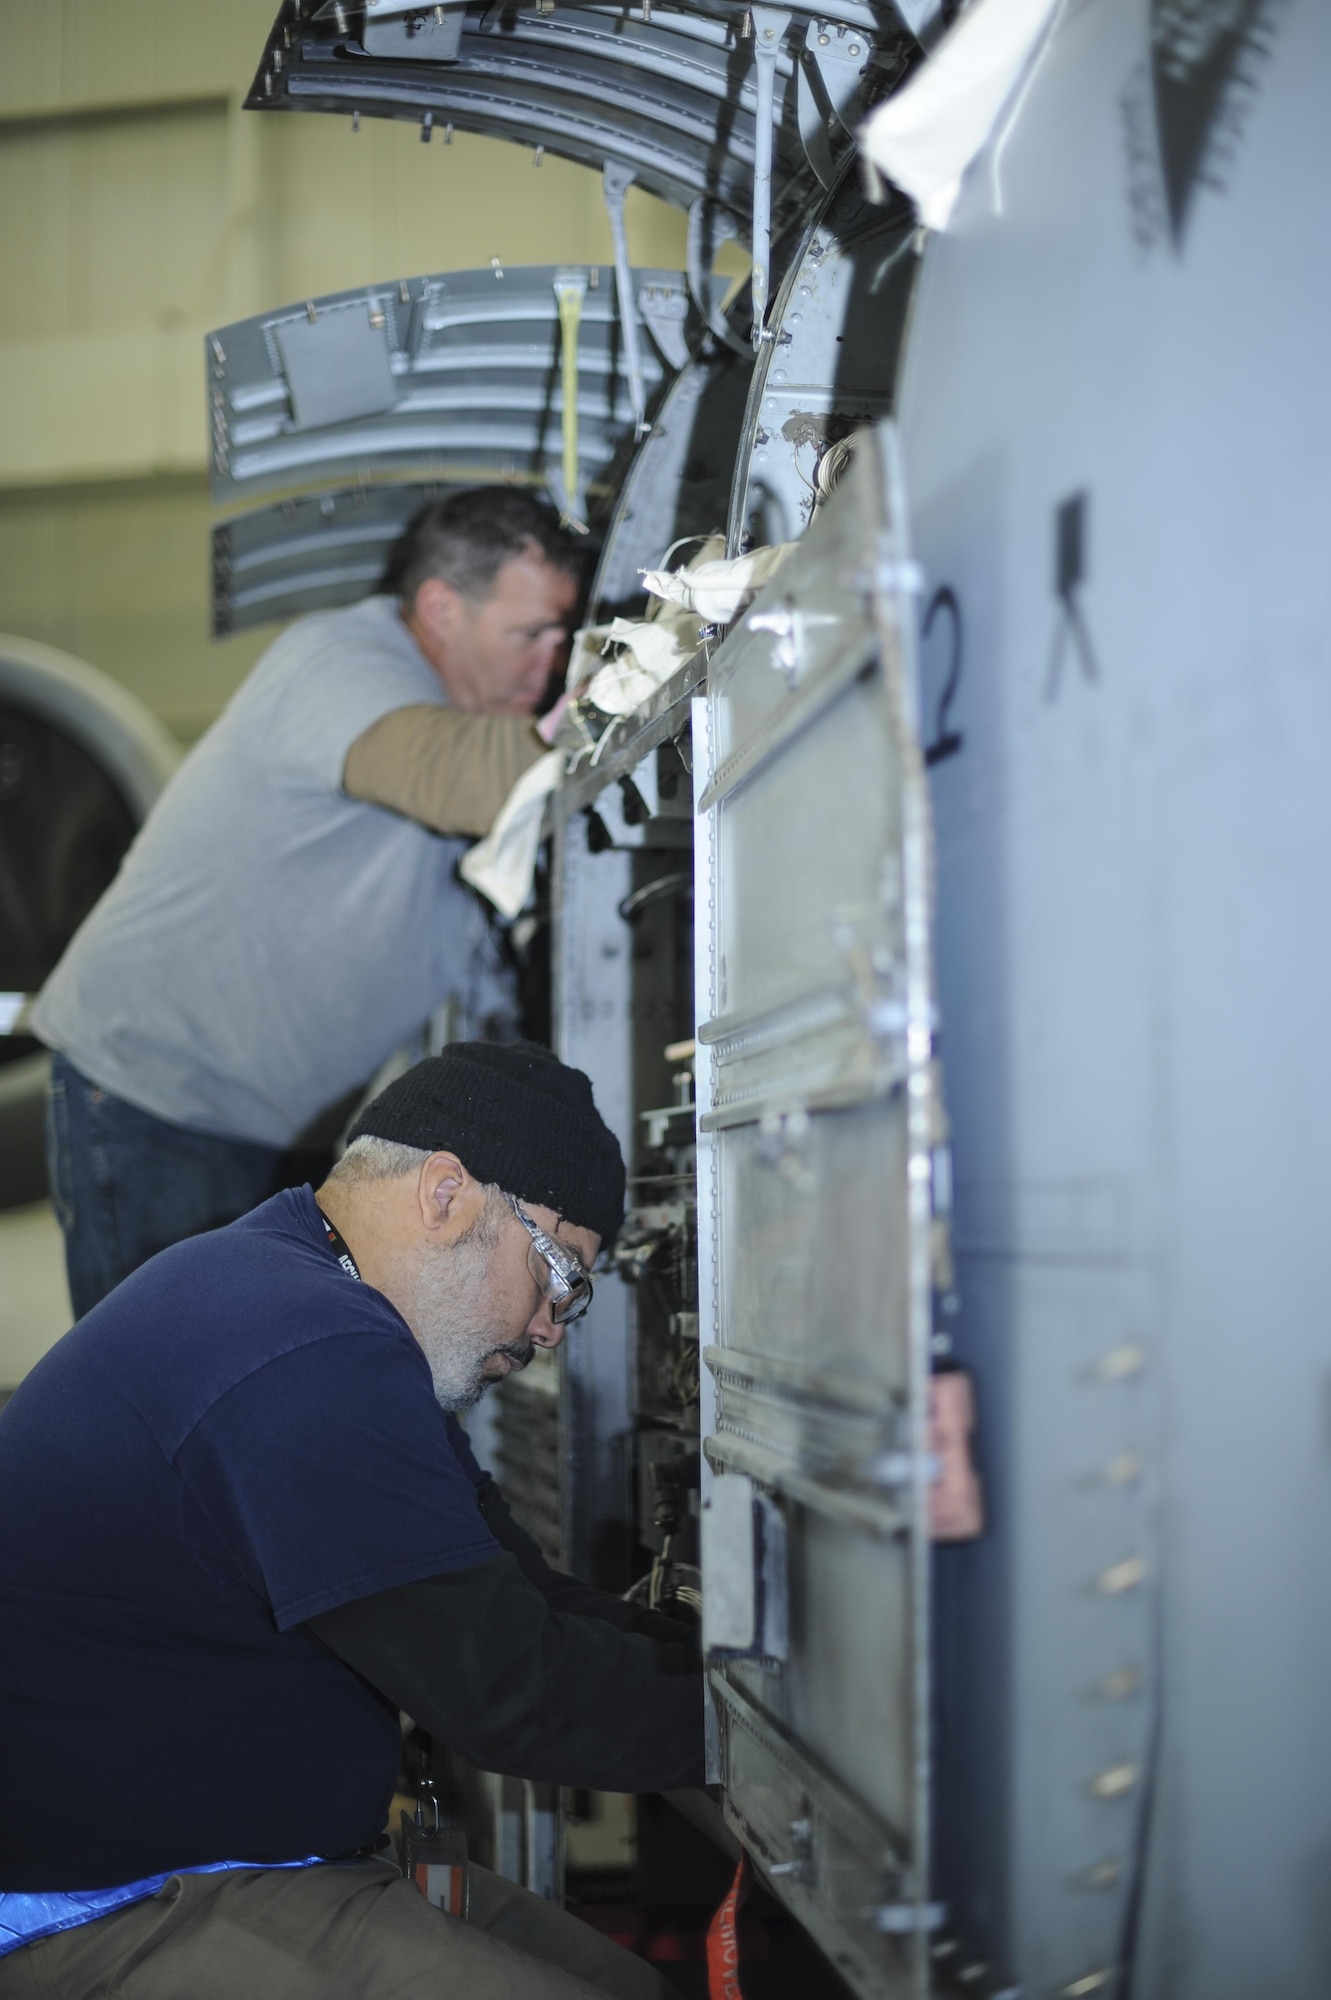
(241, 1528)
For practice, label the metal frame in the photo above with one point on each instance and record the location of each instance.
(714, 108)
(809, 1088)
(829, 370)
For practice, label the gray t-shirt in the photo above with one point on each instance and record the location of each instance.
(269, 940)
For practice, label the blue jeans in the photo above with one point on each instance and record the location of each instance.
(125, 1184)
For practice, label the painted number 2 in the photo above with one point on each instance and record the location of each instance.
(946, 742)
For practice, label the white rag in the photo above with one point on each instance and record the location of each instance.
(926, 136)
(503, 864)
(717, 591)
(646, 653)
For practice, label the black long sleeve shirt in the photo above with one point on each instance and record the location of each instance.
(531, 1673)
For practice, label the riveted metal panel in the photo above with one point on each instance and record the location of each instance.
(829, 368)
(678, 482)
(815, 1081)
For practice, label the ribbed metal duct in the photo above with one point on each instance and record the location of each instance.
(453, 378)
(312, 553)
(738, 114)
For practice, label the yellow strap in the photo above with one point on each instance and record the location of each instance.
(570, 290)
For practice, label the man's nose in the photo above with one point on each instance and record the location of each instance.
(542, 1329)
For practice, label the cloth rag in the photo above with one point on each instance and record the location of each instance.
(503, 865)
(615, 668)
(718, 590)
(926, 136)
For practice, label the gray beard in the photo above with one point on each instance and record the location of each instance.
(447, 1299)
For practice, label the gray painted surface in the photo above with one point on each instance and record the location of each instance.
(310, 552)
(452, 377)
(1133, 839)
(1117, 435)
(678, 482)
(668, 93)
(830, 367)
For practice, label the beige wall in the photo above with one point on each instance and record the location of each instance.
(140, 206)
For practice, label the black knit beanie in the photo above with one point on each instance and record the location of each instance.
(515, 1116)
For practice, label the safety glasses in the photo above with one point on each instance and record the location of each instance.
(560, 1275)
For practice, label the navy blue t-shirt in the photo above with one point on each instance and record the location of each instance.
(239, 1437)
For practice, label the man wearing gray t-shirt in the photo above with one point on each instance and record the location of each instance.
(290, 911)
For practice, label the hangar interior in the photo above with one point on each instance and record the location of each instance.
(929, 892)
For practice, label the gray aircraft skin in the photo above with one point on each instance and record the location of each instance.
(1101, 476)
(1117, 434)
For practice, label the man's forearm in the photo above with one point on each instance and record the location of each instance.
(450, 770)
(569, 1593)
(482, 1661)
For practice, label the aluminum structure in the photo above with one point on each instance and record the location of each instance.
(732, 112)
(310, 552)
(830, 370)
(410, 388)
(817, 1131)
(679, 482)
(773, 1285)
(1125, 690)
(457, 374)
(1115, 431)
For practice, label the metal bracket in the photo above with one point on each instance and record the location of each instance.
(616, 182)
(800, 1867)
(899, 1919)
(665, 308)
(833, 61)
(784, 625)
(769, 27)
(412, 33)
(709, 227)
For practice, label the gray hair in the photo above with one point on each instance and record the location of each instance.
(370, 1159)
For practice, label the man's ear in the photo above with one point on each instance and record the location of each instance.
(446, 1194)
(438, 608)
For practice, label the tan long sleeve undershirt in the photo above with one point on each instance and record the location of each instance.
(449, 770)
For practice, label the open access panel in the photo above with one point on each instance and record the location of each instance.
(818, 1125)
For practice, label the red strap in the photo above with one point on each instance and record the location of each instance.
(723, 1939)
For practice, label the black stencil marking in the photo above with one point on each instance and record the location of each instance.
(946, 742)
(1187, 105)
(1069, 575)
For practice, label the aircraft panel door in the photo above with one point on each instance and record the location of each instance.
(816, 1121)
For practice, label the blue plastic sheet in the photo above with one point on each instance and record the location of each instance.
(24, 1919)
